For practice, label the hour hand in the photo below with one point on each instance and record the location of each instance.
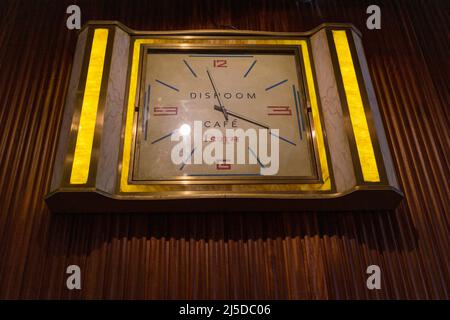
(222, 108)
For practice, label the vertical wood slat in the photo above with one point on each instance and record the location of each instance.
(227, 255)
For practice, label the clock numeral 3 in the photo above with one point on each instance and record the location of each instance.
(220, 63)
(279, 111)
(165, 111)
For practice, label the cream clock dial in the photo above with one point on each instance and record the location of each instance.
(224, 89)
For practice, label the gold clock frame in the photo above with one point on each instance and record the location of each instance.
(93, 195)
(312, 140)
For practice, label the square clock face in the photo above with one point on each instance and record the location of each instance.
(190, 90)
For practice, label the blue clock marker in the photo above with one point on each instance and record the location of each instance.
(257, 159)
(187, 159)
(190, 68)
(281, 138)
(276, 85)
(249, 69)
(299, 114)
(167, 85)
(163, 137)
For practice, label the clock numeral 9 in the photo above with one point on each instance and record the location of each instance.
(220, 63)
(165, 111)
(279, 111)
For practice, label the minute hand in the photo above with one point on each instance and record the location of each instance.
(236, 115)
(265, 126)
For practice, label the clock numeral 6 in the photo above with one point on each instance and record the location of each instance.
(220, 63)
(165, 111)
(223, 166)
(279, 111)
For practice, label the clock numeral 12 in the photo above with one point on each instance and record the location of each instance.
(165, 111)
(279, 111)
(220, 63)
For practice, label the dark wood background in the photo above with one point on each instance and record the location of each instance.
(287, 255)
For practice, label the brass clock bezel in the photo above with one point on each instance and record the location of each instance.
(242, 48)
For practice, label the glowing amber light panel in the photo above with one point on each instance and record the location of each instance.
(356, 108)
(88, 117)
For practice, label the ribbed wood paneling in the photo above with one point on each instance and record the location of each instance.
(289, 255)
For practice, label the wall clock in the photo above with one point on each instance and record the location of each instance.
(193, 120)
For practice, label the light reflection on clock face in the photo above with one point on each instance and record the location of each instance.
(262, 89)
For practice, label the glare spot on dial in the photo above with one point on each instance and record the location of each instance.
(185, 129)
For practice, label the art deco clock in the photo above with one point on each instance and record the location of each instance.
(197, 120)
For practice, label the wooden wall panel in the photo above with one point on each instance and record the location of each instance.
(286, 255)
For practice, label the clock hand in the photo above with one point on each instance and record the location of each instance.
(265, 126)
(236, 115)
(222, 108)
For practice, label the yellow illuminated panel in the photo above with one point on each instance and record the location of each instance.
(88, 117)
(126, 187)
(356, 108)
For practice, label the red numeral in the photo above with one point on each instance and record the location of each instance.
(220, 63)
(223, 165)
(165, 111)
(279, 111)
